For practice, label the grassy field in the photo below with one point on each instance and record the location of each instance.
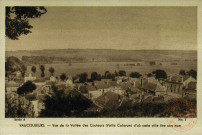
(101, 67)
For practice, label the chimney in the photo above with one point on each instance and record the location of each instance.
(170, 77)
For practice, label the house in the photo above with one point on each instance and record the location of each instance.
(106, 81)
(102, 86)
(187, 80)
(15, 75)
(121, 79)
(18, 74)
(109, 100)
(93, 93)
(29, 77)
(176, 85)
(191, 90)
(52, 79)
(12, 86)
(151, 85)
(69, 82)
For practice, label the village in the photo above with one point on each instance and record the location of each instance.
(105, 94)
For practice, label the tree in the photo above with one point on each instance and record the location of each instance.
(182, 72)
(94, 76)
(83, 77)
(116, 73)
(27, 87)
(113, 77)
(149, 74)
(33, 69)
(51, 70)
(135, 75)
(14, 64)
(160, 74)
(17, 20)
(60, 104)
(42, 68)
(122, 73)
(107, 75)
(192, 73)
(99, 77)
(63, 76)
(21, 109)
(151, 63)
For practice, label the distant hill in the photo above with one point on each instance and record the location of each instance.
(98, 55)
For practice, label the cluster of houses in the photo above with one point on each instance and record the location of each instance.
(110, 94)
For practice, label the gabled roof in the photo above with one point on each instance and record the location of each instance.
(102, 86)
(126, 85)
(109, 100)
(90, 88)
(192, 85)
(178, 78)
(113, 83)
(148, 99)
(150, 86)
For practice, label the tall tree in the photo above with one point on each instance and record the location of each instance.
(42, 68)
(51, 70)
(122, 73)
(17, 20)
(192, 73)
(160, 74)
(107, 75)
(63, 76)
(135, 75)
(182, 72)
(94, 76)
(116, 73)
(83, 77)
(33, 69)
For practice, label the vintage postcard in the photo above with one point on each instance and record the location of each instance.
(103, 68)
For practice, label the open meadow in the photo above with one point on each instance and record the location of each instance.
(101, 67)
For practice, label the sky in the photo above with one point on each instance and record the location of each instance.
(124, 28)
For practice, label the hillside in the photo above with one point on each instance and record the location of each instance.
(100, 55)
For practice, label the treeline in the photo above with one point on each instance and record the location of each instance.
(49, 60)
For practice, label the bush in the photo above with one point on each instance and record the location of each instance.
(27, 87)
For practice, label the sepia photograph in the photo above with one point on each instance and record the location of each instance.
(100, 61)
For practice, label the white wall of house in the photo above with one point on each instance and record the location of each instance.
(29, 78)
(11, 89)
(190, 79)
(94, 94)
